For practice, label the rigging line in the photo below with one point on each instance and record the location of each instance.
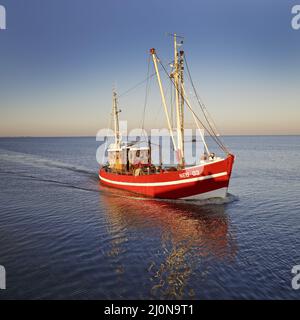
(137, 85)
(215, 138)
(203, 108)
(146, 94)
(201, 104)
(215, 135)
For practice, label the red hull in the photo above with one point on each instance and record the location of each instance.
(190, 182)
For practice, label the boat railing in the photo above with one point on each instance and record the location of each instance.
(137, 170)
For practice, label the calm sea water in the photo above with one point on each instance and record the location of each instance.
(62, 236)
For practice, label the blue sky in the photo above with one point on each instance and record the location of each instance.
(60, 58)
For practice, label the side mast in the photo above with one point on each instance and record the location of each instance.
(115, 112)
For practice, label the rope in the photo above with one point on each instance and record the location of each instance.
(146, 94)
(201, 104)
(137, 85)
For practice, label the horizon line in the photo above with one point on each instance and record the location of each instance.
(92, 136)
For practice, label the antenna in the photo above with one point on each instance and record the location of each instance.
(174, 34)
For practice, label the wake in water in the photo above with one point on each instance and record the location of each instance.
(36, 161)
(205, 202)
(59, 183)
(43, 163)
(213, 201)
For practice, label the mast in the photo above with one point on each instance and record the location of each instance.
(179, 104)
(116, 112)
(153, 53)
(181, 68)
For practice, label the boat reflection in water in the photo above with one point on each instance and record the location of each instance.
(173, 238)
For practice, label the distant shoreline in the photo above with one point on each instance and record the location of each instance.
(72, 137)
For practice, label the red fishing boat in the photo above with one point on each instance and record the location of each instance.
(130, 167)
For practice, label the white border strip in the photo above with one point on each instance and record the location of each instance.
(167, 183)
